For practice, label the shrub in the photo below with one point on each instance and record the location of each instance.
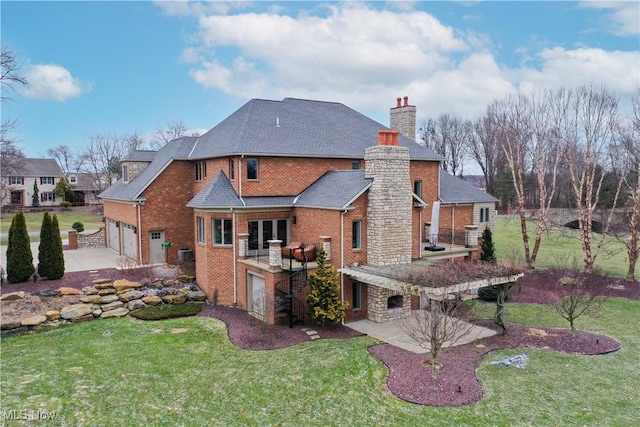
(19, 256)
(50, 254)
(65, 204)
(490, 293)
(78, 226)
(488, 253)
(166, 311)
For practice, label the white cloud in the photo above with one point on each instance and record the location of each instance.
(617, 70)
(624, 16)
(53, 82)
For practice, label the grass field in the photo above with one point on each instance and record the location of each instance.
(65, 220)
(128, 372)
(560, 248)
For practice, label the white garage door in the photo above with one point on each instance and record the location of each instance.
(113, 235)
(256, 295)
(129, 241)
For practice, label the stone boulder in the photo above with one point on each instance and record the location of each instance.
(89, 290)
(152, 300)
(84, 318)
(47, 293)
(7, 324)
(52, 315)
(130, 295)
(174, 298)
(99, 286)
(101, 282)
(34, 320)
(74, 311)
(111, 305)
(118, 312)
(108, 299)
(196, 296)
(136, 304)
(107, 291)
(91, 299)
(68, 291)
(123, 284)
(13, 296)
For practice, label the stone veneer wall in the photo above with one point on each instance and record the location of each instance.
(135, 168)
(93, 240)
(390, 203)
(377, 305)
(403, 119)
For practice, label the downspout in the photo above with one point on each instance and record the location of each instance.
(235, 260)
(139, 208)
(342, 258)
(420, 226)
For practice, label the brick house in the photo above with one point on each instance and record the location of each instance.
(257, 196)
(18, 186)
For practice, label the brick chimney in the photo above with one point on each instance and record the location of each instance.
(403, 118)
(390, 201)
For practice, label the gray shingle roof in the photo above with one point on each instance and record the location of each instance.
(455, 190)
(297, 128)
(218, 193)
(40, 167)
(334, 190)
(141, 155)
(178, 149)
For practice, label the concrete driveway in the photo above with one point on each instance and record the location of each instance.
(77, 260)
(393, 332)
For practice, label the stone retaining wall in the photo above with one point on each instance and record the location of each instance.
(103, 300)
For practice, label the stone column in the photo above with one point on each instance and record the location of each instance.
(243, 245)
(325, 242)
(472, 235)
(275, 254)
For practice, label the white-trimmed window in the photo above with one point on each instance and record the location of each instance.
(73, 179)
(201, 170)
(47, 197)
(484, 215)
(356, 234)
(222, 232)
(46, 180)
(232, 169)
(125, 173)
(16, 180)
(355, 164)
(417, 188)
(200, 228)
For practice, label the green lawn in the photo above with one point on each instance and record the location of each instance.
(65, 220)
(122, 372)
(560, 247)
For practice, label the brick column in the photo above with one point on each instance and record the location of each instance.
(73, 239)
(243, 245)
(275, 254)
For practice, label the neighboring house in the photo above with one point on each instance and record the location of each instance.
(85, 188)
(19, 187)
(277, 180)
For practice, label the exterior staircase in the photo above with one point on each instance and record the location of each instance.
(287, 304)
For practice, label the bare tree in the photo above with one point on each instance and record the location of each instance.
(448, 136)
(66, 158)
(483, 146)
(101, 156)
(437, 327)
(263, 308)
(11, 158)
(629, 155)
(579, 294)
(10, 77)
(173, 130)
(587, 131)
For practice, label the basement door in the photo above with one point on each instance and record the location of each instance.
(113, 234)
(156, 250)
(256, 296)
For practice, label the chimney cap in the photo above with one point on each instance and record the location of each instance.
(406, 100)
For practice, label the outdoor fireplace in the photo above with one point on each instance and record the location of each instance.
(384, 304)
(394, 301)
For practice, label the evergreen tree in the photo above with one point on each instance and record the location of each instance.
(63, 190)
(45, 249)
(488, 250)
(19, 256)
(324, 293)
(35, 199)
(57, 256)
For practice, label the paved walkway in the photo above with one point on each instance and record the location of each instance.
(393, 332)
(76, 260)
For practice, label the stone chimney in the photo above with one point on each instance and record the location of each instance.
(390, 202)
(403, 118)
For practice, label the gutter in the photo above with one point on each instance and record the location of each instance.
(342, 257)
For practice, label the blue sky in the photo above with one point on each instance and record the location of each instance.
(133, 66)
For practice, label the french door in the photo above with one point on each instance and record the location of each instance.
(261, 231)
